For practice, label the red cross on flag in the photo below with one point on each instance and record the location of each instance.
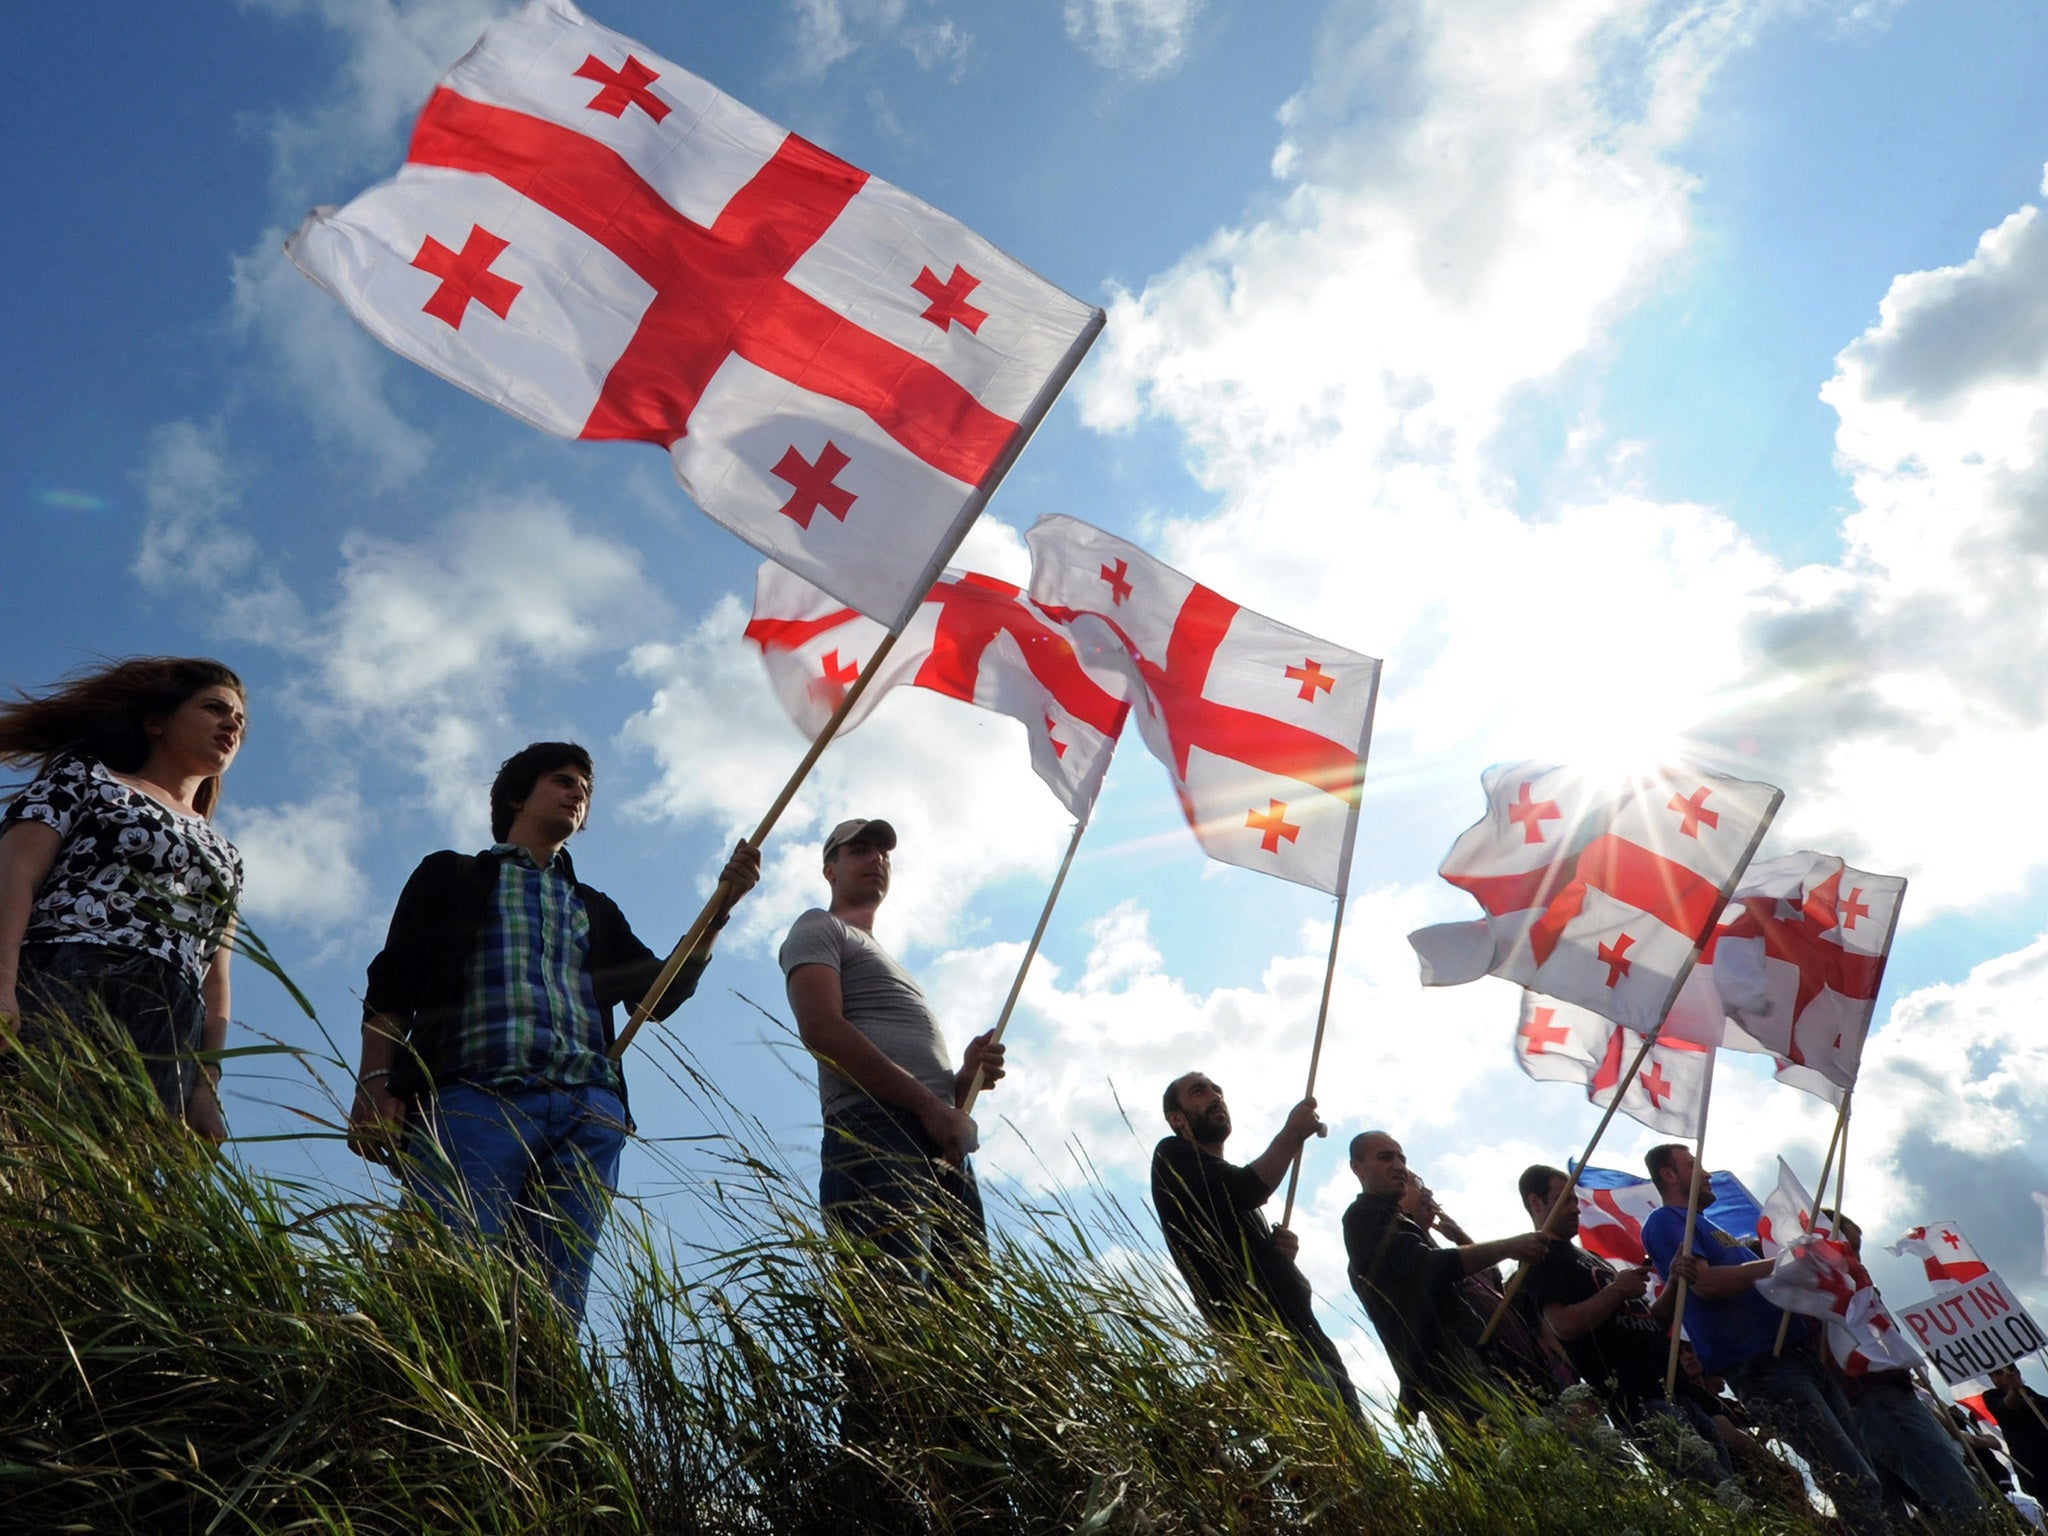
(588, 236)
(974, 638)
(1816, 932)
(1599, 891)
(1611, 1217)
(1819, 1277)
(1787, 1214)
(1263, 729)
(1558, 1043)
(1944, 1253)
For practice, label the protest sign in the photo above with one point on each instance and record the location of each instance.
(1970, 1331)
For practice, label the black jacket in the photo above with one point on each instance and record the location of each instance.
(417, 978)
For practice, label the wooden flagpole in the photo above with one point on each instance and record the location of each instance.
(1827, 1166)
(1315, 1055)
(687, 945)
(1030, 954)
(1692, 1216)
(1514, 1285)
(970, 513)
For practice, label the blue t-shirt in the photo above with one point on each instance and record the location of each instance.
(1726, 1332)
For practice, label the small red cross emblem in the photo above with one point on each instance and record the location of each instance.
(1311, 676)
(1539, 1031)
(1273, 825)
(831, 687)
(1854, 908)
(949, 299)
(813, 484)
(1531, 814)
(1119, 588)
(1691, 813)
(624, 87)
(1951, 1239)
(1059, 748)
(1656, 1084)
(466, 275)
(1615, 958)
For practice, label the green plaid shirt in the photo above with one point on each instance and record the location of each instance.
(529, 1012)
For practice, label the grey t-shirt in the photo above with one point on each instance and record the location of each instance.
(879, 999)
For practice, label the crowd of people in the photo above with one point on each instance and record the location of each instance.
(1878, 1443)
(488, 1084)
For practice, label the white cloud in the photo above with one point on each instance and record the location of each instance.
(1140, 38)
(299, 859)
(830, 31)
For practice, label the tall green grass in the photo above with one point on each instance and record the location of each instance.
(188, 1346)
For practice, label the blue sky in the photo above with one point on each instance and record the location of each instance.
(1625, 375)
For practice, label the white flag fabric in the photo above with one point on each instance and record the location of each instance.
(591, 238)
(974, 638)
(1819, 1277)
(1788, 1214)
(1944, 1253)
(1817, 932)
(1598, 891)
(1557, 1042)
(1263, 728)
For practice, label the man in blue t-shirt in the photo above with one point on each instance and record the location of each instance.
(1735, 1331)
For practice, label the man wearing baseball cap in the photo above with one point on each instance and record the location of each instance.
(894, 1166)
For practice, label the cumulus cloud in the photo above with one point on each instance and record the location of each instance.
(1139, 38)
(828, 31)
(299, 860)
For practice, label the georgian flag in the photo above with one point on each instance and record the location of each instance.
(1262, 728)
(1788, 1214)
(974, 638)
(1599, 892)
(1817, 1276)
(1944, 1253)
(1556, 1042)
(593, 239)
(1818, 932)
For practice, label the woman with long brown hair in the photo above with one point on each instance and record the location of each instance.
(116, 890)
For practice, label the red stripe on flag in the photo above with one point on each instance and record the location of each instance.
(789, 634)
(718, 291)
(972, 612)
(1502, 894)
(1675, 895)
(1242, 735)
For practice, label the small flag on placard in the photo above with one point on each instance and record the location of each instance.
(1944, 1253)
(1263, 729)
(593, 239)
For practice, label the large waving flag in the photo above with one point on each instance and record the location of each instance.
(588, 236)
(1821, 931)
(973, 638)
(1556, 1042)
(1597, 891)
(1264, 729)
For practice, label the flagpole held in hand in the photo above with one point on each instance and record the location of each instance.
(1692, 1216)
(1514, 1285)
(687, 946)
(1827, 1166)
(1315, 1055)
(1030, 954)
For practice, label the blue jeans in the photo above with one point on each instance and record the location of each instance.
(1795, 1400)
(881, 1180)
(537, 1164)
(1901, 1433)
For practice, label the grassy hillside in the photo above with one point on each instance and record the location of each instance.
(186, 1346)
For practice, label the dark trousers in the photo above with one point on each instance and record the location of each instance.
(153, 1000)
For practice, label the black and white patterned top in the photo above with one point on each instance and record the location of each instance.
(131, 872)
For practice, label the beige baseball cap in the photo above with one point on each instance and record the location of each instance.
(863, 829)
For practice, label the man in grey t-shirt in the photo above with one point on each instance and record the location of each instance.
(894, 1166)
